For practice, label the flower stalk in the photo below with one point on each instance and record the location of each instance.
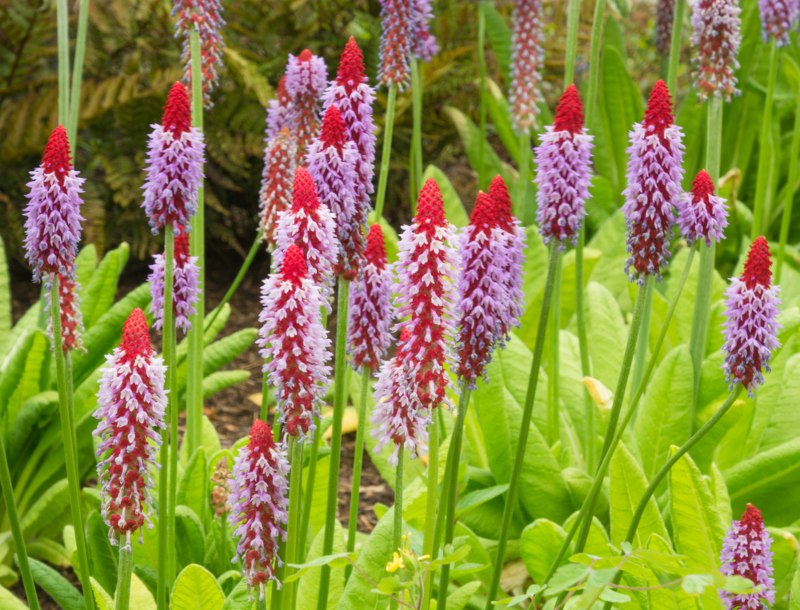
(416, 133)
(386, 151)
(122, 596)
(794, 174)
(293, 550)
(358, 462)
(763, 200)
(77, 72)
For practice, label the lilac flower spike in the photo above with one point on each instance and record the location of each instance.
(71, 316)
(131, 404)
(275, 195)
(294, 343)
(424, 42)
(716, 41)
(564, 161)
(205, 15)
(279, 111)
(52, 214)
(655, 171)
(665, 14)
(778, 19)
(396, 24)
(747, 552)
(174, 169)
(527, 60)
(306, 80)
(186, 285)
(259, 505)
(702, 216)
(751, 328)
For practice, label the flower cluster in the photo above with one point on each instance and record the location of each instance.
(751, 329)
(396, 29)
(665, 14)
(424, 42)
(294, 343)
(564, 160)
(259, 505)
(131, 404)
(716, 41)
(702, 216)
(369, 333)
(275, 195)
(306, 80)
(174, 165)
(747, 552)
(655, 171)
(426, 268)
(778, 19)
(526, 65)
(221, 489)
(186, 285)
(205, 16)
(71, 316)
(279, 111)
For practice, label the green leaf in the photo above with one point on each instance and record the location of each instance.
(196, 589)
(190, 540)
(47, 508)
(794, 599)
(458, 599)
(36, 413)
(241, 598)
(501, 118)
(606, 333)
(141, 597)
(499, 37)
(5, 297)
(627, 487)
(56, 586)
(216, 382)
(9, 601)
(101, 556)
(221, 352)
(610, 240)
(371, 561)
(453, 207)
(539, 546)
(98, 296)
(103, 600)
(309, 581)
(23, 377)
(193, 488)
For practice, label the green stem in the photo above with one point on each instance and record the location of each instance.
(482, 178)
(311, 478)
(640, 357)
(553, 360)
(416, 134)
(525, 424)
(450, 495)
(264, 411)
(791, 189)
(339, 396)
(122, 597)
(761, 211)
(573, 21)
(659, 476)
(606, 461)
(236, 281)
(62, 20)
(295, 508)
(194, 387)
(397, 533)
(65, 408)
(431, 502)
(386, 154)
(77, 73)
(675, 47)
(598, 24)
(16, 528)
(524, 165)
(358, 461)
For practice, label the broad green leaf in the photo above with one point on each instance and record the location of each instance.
(218, 381)
(499, 37)
(539, 546)
(189, 536)
(309, 581)
(9, 601)
(26, 324)
(141, 598)
(50, 551)
(98, 296)
(47, 508)
(193, 488)
(453, 207)
(196, 589)
(85, 264)
(610, 241)
(101, 556)
(14, 368)
(606, 333)
(501, 118)
(5, 296)
(777, 421)
(37, 412)
(794, 599)
(26, 381)
(458, 599)
(102, 599)
(221, 352)
(628, 484)
(56, 586)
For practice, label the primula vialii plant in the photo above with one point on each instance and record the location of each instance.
(746, 551)
(186, 287)
(204, 16)
(275, 196)
(306, 79)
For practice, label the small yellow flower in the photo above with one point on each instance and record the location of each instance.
(395, 564)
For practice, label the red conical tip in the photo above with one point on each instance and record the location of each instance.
(351, 66)
(281, 92)
(304, 193)
(293, 267)
(56, 154)
(181, 247)
(569, 114)
(135, 337)
(177, 111)
(333, 132)
(375, 252)
(498, 191)
(757, 266)
(430, 205)
(702, 186)
(484, 214)
(261, 439)
(752, 517)
(659, 108)
(305, 55)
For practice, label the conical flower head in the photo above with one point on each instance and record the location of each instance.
(746, 551)
(702, 216)
(306, 79)
(351, 94)
(206, 17)
(185, 285)
(396, 28)
(332, 162)
(399, 419)
(665, 14)
(526, 63)
(371, 311)
(175, 157)
(279, 111)
(259, 505)
(778, 19)
(275, 195)
(564, 161)
(423, 41)
(655, 171)
(426, 269)
(751, 328)
(311, 226)
(513, 256)
(131, 404)
(294, 344)
(52, 214)
(716, 41)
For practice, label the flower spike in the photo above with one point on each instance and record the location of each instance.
(778, 19)
(279, 111)
(665, 14)
(716, 41)
(131, 404)
(71, 316)
(747, 552)
(655, 171)
(751, 329)
(702, 216)
(306, 79)
(564, 160)
(175, 160)
(294, 343)
(527, 60)
(275, 195)
(259, 505)
(186, 285)
(396, 24)
(206, 16)
(424, 42)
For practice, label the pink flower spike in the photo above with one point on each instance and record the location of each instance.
(665, 14)
(71, 316)
(131, 404)
(746, 551)
(52, 214)
(527, 61)
(424, 42)
(716, 41)
(702, 216)
(396, 24)
(306, 79)
(206, 17)
(279, 111)
(778, 19)
(186, 285)
(275, 195)
(174, 169)
(293, 343)
(259, 505)
(371, 311)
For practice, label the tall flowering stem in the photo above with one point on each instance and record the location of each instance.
(746, 551)
(794, 172)
(763, 198)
